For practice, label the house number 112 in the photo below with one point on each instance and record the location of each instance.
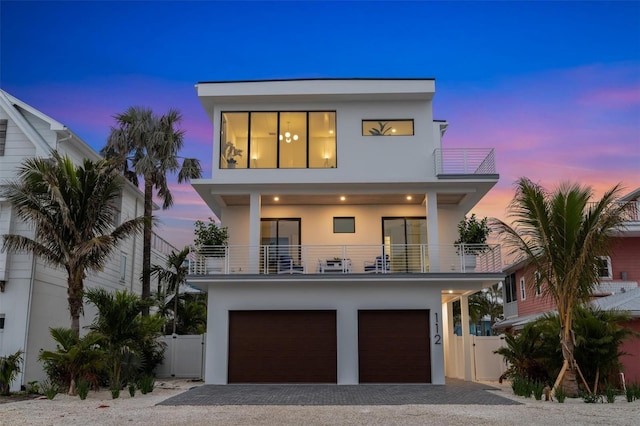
(437, 337)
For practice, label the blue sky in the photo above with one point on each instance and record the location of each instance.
(553, 86)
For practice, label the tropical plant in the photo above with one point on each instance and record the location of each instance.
(49, 389)
(560, 235)
(486, 303)
(525, 355)
(75, 358)
(173, 275)
(472, 234)
(72, 208)
(211, 239)
(83, 388)
(231, 152)
(382, 129)
(129, 339)
(9, 369)
(147, 145)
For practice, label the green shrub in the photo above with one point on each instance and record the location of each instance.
(629, 393)
(146, 384)
(33, 387)
(560, 394)
(9, 369)
(636, 390)
(83, 388)
(538, 390)
(115, 392)
(610, 394)
(50, 389)
(132, 389)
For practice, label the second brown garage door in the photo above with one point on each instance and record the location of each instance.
(282, 347)
(393, 346)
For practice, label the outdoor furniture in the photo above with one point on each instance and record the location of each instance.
(334, 266)
(379, 266)
(286, 266)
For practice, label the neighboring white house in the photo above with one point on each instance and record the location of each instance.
(33, 296)
(342, 208)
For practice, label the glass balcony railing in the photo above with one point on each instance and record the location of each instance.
(346, 259)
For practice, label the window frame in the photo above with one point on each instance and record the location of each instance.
(609, 275)
(538, 283)
(385, 121)
(306, 141)
(510, 292)
(352, 227)
(523, 289)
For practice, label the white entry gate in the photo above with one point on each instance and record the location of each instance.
(485, 365)
(184, 357)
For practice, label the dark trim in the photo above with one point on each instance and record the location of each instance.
(321, 79)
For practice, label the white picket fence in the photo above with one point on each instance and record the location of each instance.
(184, 357)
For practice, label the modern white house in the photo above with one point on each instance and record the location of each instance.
(342, 207)
(33, 296)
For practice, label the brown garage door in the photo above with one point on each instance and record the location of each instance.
(282, 347)
(393, 346)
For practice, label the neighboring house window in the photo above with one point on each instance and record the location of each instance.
(538, 281)
(278, 140)
(3, 135)
(123, 267)
(344, 225)
(510, 288)
(604, 267)
(1, 321)
(523, 291)
(385, 127)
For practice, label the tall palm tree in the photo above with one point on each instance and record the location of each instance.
(147, 145)
(72, 208)
(560, 235)
(173, 275)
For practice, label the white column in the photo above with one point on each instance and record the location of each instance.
(447, 320)
(432, 231)
(255, 205)
(466, 338)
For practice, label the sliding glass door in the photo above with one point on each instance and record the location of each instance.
(282, 238)
(402, 237)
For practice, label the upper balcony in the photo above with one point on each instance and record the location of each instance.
(345, 260)
(463, 163)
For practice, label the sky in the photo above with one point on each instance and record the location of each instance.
(553, 87)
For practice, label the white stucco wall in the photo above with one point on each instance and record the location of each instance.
(346, 297)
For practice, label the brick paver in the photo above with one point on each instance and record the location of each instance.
(454, 392)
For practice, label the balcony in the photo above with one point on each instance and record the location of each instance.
(345, 259)
(457, 162)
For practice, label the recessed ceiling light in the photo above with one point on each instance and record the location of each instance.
(409, 197)
(343, 198)
(393, 130)
(276, 198)
(450, 291)
(330, 132)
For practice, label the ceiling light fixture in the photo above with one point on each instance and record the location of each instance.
(276, 198)
(343, 198)
(288, 137)
(409, 197)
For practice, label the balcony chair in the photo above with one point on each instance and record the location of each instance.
(286, 266)
(379, 266)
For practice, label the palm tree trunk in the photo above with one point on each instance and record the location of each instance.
(146, 251)
(74, 300)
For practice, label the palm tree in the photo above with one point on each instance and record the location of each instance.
(147, 145)
(485, 302)
(75, 358)
(173, 275)
(128, 338)
(72, 208)
(560, 235)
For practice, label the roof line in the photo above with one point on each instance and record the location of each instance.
(321, 79)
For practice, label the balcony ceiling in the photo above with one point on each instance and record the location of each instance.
(329, 199)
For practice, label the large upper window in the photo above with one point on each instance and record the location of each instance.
(273, 139)
(510, 288)
(387, 127)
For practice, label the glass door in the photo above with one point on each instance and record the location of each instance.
(402, 237)
(281, 237)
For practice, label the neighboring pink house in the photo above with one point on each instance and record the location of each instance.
(618, 289)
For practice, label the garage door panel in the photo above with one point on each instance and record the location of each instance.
(282, 347)
(393, 346)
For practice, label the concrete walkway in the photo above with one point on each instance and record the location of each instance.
(454, 392)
